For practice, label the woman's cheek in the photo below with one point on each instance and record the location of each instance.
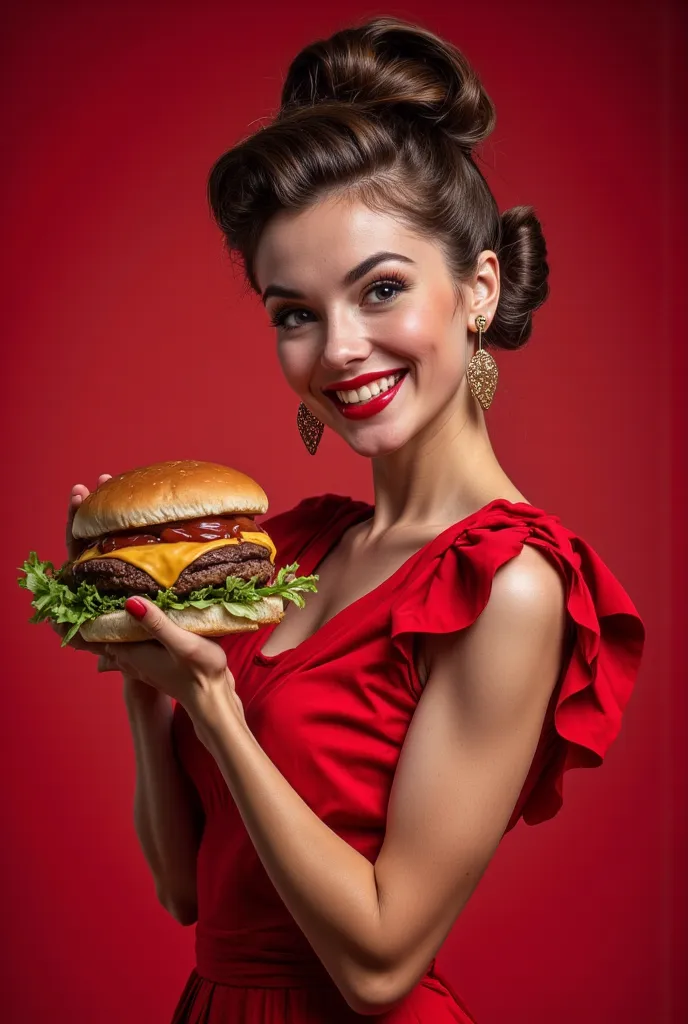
(407, 333)
(426, 332)
(296, 362)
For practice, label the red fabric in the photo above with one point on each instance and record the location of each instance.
(332, 714)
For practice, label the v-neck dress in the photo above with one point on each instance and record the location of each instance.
(332, 715)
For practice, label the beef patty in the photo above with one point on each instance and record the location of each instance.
(113, 576)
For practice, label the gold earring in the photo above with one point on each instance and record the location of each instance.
(482, 371)
(310, 428)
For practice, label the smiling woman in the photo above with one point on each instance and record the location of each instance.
(464, 648)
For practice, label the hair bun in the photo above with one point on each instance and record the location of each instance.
(389, 66)
(524, 272)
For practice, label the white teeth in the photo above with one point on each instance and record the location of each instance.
(368, 391)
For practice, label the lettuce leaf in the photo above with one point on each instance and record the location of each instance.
(54, 600)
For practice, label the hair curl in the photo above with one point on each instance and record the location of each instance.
(391, 113)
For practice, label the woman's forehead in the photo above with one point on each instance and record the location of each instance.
(327, 239)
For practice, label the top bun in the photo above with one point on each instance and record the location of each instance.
(166, 492)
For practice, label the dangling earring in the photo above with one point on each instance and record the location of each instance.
(482, 372)
(310, 428)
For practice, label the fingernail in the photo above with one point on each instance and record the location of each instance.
(135, 607)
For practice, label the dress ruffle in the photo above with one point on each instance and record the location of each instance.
(452, 588)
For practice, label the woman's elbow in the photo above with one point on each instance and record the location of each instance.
(184, 915)
(374, 994)
(185, 912)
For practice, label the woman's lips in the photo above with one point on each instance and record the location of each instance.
(363, 378)
(363, 410)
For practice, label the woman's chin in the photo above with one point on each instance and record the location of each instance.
(375, 444)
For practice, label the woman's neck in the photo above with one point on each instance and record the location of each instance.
(446, 472)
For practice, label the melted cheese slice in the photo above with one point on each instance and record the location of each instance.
(165, 562)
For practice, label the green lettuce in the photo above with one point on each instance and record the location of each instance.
(54, 600)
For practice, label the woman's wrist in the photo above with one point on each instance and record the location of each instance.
(138, 694)
(217, 715)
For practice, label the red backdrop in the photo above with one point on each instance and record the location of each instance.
(126, 325)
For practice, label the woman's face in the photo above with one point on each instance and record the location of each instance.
(371, 330)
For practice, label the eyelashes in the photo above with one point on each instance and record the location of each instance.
(281, 315)
(392, 279)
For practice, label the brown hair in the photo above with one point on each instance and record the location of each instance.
(389, 112)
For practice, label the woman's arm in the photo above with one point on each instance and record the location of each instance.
(168, 817)
(464, 761)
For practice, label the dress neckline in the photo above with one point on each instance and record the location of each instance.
(322, 543)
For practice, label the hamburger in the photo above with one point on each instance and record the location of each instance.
(183, 535)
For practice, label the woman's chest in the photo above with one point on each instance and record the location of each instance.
(350, 577)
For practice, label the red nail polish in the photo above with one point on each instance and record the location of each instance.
(135, 607)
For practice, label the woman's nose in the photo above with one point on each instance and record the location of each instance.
(344, 343)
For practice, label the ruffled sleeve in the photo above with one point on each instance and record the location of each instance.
(451, 589)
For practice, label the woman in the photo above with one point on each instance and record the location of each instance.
(326, 794)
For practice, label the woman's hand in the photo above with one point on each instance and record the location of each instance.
(190, 668)
(78, 493)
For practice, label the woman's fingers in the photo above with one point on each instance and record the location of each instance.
(77, 495)
(106, 664)
(159, 627)
(179, 642)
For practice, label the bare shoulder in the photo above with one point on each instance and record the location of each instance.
(521, 628)
(528, 586)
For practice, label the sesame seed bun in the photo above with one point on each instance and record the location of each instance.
(167, 492)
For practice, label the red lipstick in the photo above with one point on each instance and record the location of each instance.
(358, 382)
(363, 410)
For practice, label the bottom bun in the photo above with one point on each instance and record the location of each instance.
(121, 627)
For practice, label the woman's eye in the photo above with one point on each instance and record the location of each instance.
(291, 318)
(379, 292)
(384, 291)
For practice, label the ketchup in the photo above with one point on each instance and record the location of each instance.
(196, 530)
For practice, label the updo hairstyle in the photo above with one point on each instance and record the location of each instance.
(389, 113)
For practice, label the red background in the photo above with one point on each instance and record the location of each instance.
(131, 339)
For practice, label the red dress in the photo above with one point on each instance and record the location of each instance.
(332, 715)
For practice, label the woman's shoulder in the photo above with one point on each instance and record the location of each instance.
(452, 585)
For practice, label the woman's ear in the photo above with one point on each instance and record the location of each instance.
(484, 292)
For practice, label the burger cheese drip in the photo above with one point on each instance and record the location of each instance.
(165, 550)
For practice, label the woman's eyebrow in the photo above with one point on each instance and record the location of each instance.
(353, 275)
(366, 265)
(280, 292)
